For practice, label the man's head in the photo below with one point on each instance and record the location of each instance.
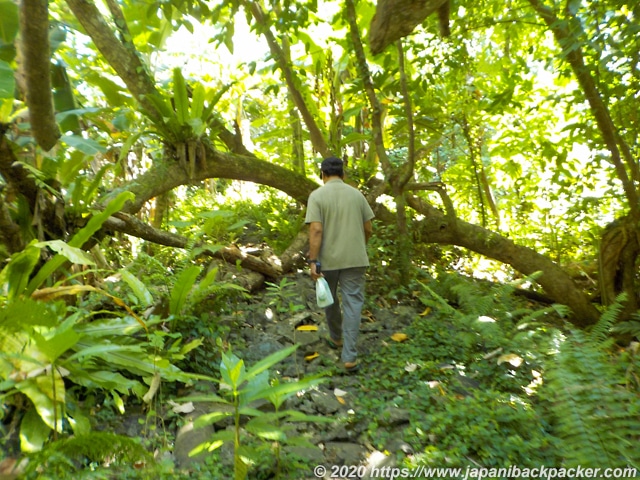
(332, 167)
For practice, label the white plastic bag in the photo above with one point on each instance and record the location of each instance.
(323, 293)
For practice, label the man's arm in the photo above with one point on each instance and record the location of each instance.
(315, 240)
(368, 230)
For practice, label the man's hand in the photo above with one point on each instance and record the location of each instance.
(313, 271)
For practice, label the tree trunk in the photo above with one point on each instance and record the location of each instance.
(35, 57)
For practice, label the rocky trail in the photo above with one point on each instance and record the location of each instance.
(342, 441)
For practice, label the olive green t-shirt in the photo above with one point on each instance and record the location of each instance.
(342, 210)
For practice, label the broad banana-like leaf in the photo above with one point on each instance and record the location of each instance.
(181, 289)
(25, 312)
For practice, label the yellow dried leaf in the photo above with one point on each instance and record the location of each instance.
(427, 311)
(399, 337)
(307, 328)
(341, 400)
(511, 358)
(311, 356)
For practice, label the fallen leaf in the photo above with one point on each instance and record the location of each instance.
(307, 328)
(182, 407)
(511, 358)
(341, 400)
(339, 393)
(311, 356)
(411, 367)
(399, 337)
(427, 311)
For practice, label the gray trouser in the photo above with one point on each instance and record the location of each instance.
(345, 324)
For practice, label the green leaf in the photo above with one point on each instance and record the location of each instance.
(215, 441)
(79, 239)
(15, 276)
(86, 350)
(102, 379)
(79, 422)
(33, 432)
(203, 288)
(197, 101)
(259, 427)
(85, 145)
(139, 289)
(7, 82)
(232, 370)
(41, 393)
(126, 326)
(25, 312)
(57, 344)
(181, 289)
(255, 388)
(210, 418)
(271, 360)
(180, 96)
(73, 254)
(9, 21)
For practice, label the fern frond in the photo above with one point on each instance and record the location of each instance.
(74, 453)
(600, 331)
(595, 417)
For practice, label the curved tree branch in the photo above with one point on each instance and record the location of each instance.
(555, 281)
(36, 66)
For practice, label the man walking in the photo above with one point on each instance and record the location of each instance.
(339, 219)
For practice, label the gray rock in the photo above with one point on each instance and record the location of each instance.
(325, 403)
(262, 345)
(310, 455)
(392, 416)
(187, 439)
(344, 453)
